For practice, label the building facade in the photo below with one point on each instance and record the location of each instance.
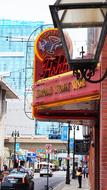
(5, 94)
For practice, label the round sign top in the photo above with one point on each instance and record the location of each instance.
(48, 44)
(48, 146)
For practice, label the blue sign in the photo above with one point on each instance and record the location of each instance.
(22, 157)
(40, 151)
(17, 147)
(64, 133)
(31, 154)
(71, 143)
(31, 157)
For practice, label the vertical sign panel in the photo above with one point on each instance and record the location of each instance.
(64, 133)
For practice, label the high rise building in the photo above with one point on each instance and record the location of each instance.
(16, 65)
(13, 41)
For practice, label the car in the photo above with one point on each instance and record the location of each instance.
(16, 181)
(63, 168)
(24, 170)
(45, 171)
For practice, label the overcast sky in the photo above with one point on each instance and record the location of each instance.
(30, 10)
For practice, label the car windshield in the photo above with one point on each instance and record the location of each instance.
(19, 170)
(43, 168)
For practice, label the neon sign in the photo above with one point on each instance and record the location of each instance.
(62, 87)
(55, 66)
(49, 55)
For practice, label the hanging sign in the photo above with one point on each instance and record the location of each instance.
(49, 59)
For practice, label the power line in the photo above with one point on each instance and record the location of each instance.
(23, 70)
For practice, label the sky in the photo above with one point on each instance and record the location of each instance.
(28, 10)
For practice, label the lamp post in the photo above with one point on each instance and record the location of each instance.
(15, 134)
(68, 157)
(73, 171)
(48, 151)
(90, 20)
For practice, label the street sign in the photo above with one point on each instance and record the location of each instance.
(48, 148)
(71, 143)
(64, 133)
(31, 154)
(40, 151)
(17, 147)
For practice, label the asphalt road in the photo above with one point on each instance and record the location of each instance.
(57, 178)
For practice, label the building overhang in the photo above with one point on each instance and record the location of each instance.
(10, 94)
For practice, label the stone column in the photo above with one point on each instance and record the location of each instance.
(2, 125)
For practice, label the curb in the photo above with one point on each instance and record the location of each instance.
(59, 186)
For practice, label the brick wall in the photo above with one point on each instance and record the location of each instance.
(103, 123)
(92, 168)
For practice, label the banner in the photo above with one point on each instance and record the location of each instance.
(64, 133)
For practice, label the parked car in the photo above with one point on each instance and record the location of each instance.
(17, 181)
(63, 168)
(45, 171)
(24, 170)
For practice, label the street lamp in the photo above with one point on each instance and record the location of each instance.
(84, 22)
(68, 157)
(48, 151)
(73, 128)
(15, 134)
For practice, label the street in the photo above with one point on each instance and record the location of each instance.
(57, 178)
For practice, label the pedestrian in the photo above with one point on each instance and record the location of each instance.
(1, 175)
(5, 171)
(79, 175)
(86, 170)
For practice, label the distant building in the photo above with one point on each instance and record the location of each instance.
(14, 37)
(13, 41)
(17, 120)
(5, 93)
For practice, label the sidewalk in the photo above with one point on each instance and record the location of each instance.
(74, 185)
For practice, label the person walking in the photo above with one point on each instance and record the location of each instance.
(79, 175)
(86, 170)
(5, 171)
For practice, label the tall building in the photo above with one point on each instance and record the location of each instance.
(16, 65)
(13, 44)
(13, 41)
